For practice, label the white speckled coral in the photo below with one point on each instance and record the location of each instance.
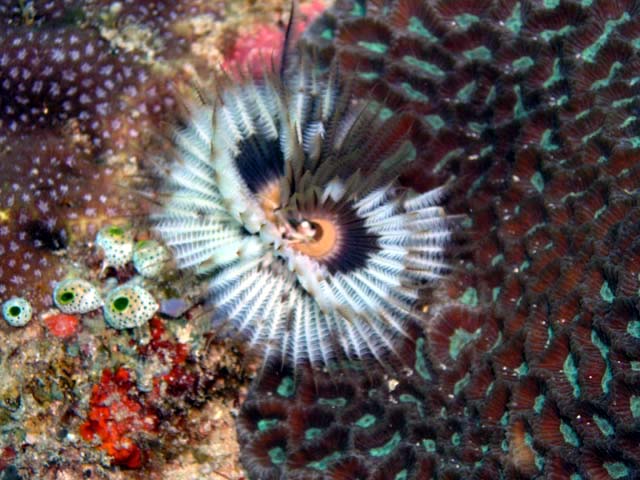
(285, 197)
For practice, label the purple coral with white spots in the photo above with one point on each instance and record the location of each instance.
(73, 109)
(50, 77)
(50, 192)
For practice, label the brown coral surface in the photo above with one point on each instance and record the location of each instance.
(528, 366)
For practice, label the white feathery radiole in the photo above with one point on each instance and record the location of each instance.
(284, 196)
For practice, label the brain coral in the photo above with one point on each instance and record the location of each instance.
(529, 364)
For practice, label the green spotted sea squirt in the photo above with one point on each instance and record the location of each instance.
(76, 295)
(129, 306)
(17, 311)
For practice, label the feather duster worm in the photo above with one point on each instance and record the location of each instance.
(284, 196)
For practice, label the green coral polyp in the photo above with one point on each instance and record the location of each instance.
(465, 20)
(460, 339)
(286, 387)
(480, 53)
(277, 455)
(333, 402)
(429, 445)
(569, 434)
(376, 47)
(366, 421)
(312, 433)
(616, 469)
(324, 463)
(388, 447)
(416, 26)
(424, 65)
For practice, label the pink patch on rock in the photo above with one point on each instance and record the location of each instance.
(62, 325)
(255, 50)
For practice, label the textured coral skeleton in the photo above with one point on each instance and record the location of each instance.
(530, 367)
(284, 197)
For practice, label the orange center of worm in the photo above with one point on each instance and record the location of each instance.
(317, 243)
